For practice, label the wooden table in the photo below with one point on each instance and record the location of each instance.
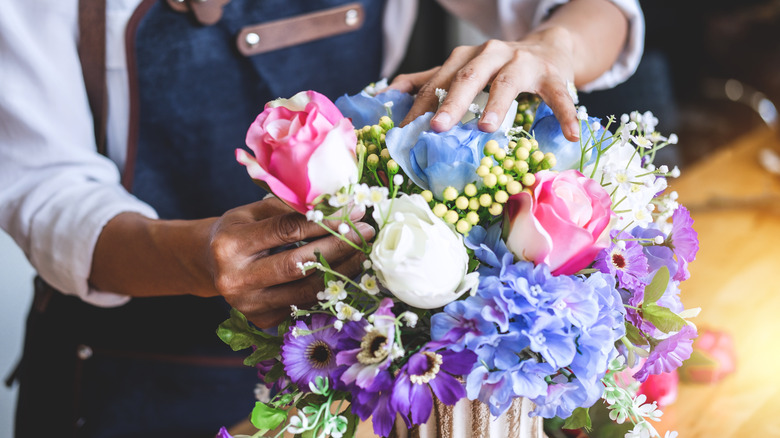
(735, 204)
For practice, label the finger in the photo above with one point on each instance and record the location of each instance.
(468, 83)
(426, 99)
(506, 85)
(284, 267)
(556, 95)
(411, 82)
(270, 306)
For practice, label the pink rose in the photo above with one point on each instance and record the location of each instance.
(564, 223)
(660, 388)
(303, 148)
(713, 358)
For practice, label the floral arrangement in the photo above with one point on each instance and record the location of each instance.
(505, 265)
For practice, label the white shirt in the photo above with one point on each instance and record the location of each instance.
(57, 193)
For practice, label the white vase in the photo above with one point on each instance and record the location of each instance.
(472, 419)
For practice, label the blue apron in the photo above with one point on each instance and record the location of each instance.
(154, 367)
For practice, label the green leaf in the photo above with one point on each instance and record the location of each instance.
(662, 318)
(579, 419)
(267, 417)
(352, 423)
(267, 350)
(657, 287)
(327, 276)
(238, 334)
(276, 372)
(284, 327)
(635, 335)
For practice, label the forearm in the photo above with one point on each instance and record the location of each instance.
(594, 31)
(138, 256)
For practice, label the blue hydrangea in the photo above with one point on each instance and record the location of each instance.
(547, 131)
(365, 109)
(545, 337)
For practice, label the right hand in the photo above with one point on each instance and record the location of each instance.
(262, 283)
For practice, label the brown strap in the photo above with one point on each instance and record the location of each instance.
(261, 38)
(92, 54)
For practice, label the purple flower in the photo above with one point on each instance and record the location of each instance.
(368, 349)
(223, 433)
(684, 241)
(308, 356)
(428, 371)
(375, 401)
(561, 399)
(625, 260)
(669, 354)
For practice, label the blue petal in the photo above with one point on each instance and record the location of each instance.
(400, 142)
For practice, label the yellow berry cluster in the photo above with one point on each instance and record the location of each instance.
(501, 174)
(372, 151)
(526, 112)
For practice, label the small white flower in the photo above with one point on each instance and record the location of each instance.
(441, 94)
(262, 393)
(314, 216)
(302, 268)
(642, 142)
(294, 311)
(299, 423)
(656, 137)
(663, 169)
(346, 312)
(362, 195)
(334, 292)
(369, 284)
(343, 228)
(294, 332)
(582, 113)
(378, 194)
(398, 179)
(367, 264)
(658, 240)
(595, 126)
(572, 89)
(673, 140)
(474, 108)
(338, 325)
(410, 318)
(389, 104)
(670, 434)
(339, 200)
(675, 173)
(621, 244)
(624, 119)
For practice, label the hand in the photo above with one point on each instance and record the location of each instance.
(541, 64)
(263, 283)
(237, 256)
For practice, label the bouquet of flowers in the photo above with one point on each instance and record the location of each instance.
(505, 265)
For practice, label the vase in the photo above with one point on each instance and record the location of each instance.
(472, 419)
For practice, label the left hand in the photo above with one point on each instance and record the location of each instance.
(542, 63)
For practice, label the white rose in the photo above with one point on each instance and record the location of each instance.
(418, 257)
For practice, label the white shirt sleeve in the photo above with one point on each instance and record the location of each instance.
(56, 192)
(510, 20)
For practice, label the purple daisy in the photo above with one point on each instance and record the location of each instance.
(685, 241)
(376, 402)
(368, 349)
(223, 433)
(669, 354)
(428, 371)
(624, 259)
(308, 356)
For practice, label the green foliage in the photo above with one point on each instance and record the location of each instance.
(239, 334)
(657, 287)
(267, 417)
(634, 335)
(579, 419)
(662, 318)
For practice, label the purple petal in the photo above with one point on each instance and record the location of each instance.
(421, 403)
(447, 388)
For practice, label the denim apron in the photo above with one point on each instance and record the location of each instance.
(155, 367)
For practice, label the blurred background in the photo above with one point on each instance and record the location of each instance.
(710, 73)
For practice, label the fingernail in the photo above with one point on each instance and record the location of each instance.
(357, 213)
(489, 118)
(366, 230)
(574, 130)
(442, 118)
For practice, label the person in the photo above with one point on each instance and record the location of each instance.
(141, 252)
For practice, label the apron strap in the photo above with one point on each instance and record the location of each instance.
(92, 54)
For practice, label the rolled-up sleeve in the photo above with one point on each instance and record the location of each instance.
(513, 19)
(56, 192)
